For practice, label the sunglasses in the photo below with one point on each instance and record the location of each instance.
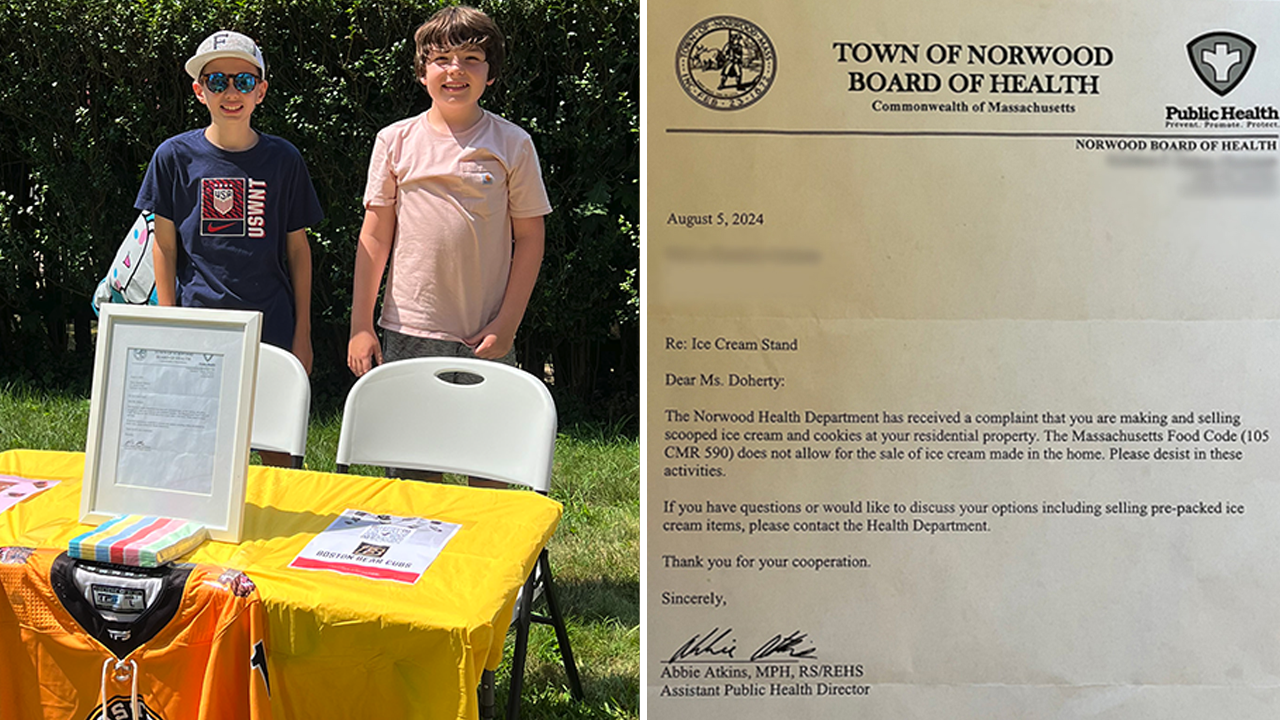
(217, 82)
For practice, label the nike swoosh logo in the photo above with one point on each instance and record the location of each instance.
(216, 228)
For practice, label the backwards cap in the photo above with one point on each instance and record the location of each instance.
(225, 44)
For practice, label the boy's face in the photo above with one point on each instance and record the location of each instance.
(456, 77)
(231, 105)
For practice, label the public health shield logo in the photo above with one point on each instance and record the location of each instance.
(1221, 59)
(725, 63)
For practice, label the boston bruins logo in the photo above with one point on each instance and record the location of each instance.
(118, 708)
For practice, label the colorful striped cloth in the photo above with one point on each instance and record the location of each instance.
(140, 540)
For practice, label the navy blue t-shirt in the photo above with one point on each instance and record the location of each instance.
(232, 211)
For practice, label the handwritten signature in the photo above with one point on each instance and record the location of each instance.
(721, 645)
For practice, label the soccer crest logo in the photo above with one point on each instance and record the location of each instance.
(725, 63)
(1221, 59)
(222, 207)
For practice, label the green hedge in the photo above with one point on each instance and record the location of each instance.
(88, 88)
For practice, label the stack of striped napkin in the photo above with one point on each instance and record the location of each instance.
(139, 540)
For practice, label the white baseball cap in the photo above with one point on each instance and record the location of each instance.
(225, 44)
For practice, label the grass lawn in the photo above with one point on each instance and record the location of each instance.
(595, 552)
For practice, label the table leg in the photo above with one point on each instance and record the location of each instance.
(487, 704)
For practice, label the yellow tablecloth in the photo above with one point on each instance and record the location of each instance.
(343, 646)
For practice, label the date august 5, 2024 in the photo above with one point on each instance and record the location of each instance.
(716, 219)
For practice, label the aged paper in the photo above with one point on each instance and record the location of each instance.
(963, 359)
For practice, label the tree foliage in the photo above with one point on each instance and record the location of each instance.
(89, 88)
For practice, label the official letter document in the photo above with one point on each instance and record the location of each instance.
(169, 428)
(963, 359)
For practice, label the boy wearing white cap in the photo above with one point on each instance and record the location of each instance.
(232, 205)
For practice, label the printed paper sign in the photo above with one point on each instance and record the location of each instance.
(381, 547)
(14, 490)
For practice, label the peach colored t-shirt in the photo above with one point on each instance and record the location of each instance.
(454, 196)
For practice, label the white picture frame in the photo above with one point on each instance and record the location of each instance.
(170, 415)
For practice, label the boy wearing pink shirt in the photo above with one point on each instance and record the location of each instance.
(455, 200)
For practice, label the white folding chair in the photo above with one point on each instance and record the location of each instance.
(407, 414)
(281, 404)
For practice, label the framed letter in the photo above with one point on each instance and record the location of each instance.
(169, 416)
